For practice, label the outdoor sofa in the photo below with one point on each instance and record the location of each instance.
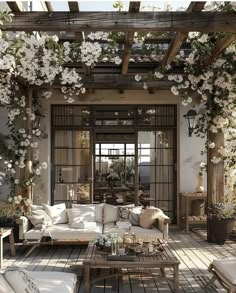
(82, 223)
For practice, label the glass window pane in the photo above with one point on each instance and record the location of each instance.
(71, 174)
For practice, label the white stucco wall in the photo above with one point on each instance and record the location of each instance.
(189, 148)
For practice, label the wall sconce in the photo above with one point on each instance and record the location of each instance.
(37, 120)
(190, 119)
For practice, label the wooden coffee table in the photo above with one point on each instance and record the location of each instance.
(94, 260)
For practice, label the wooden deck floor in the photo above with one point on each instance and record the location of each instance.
(194, 253)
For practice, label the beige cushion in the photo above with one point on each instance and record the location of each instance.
(148, 217)
(110, 213)
(81, 214)
(57, 213)
(227, 268)
(21, 281)
(98, 210)
(5, 286)
(40, 219)
(59, 282)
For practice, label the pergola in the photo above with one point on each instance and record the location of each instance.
(170, 28)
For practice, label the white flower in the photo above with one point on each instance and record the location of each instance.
(158, 75)
(203, 38)
(174, 90)
(211, 145)
(37, 171)
(202, 164)
(145, 87)
(117, 60)
(17, 181)
(215, 160)
(138, 77)
(44, 165)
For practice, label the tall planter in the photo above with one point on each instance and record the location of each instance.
(220, 229)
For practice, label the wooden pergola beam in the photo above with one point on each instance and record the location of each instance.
(14, 6)
(177, 21)
(74, 7)
(180, 37)
(220, 46)
(129, 38)
(49, 6)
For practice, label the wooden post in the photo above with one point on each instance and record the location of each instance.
(215, 174)
(28, 164)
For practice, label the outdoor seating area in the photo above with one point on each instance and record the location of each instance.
(117, 146)
(193, 252)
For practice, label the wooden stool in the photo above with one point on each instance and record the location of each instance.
(224, 271)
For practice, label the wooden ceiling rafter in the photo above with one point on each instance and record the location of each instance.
(220, 46)
(176, 21)
(79, 37)
(180, 37)
(14, 6)
(129, 38)
(49, 6)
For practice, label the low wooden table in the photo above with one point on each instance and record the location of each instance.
(93, 260)
(4, 232)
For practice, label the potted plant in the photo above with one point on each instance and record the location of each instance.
(221, 217)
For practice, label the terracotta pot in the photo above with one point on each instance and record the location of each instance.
(220, 229)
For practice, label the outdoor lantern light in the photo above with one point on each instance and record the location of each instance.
(37, 120)
(190, 118)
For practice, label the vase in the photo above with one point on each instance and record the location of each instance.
(220, 229)
(200, 187)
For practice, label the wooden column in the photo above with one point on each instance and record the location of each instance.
(28, 167)
(215, 174)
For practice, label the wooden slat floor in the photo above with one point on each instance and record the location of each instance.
(194, 253)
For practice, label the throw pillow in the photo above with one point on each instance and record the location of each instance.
(134, 215)
(98, 210)
(57, 213)
(123, 212)
(5, 286)
(148, 217)
(81, 214)
(40, 219)
(20, 280)
(110, 213)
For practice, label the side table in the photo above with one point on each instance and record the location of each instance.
(188, 197)
(4, 232)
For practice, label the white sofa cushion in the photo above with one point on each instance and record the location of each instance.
(4, 285)
(81, 214)
(21, 281)
(98, 210)
(65, 232)
(226, 268)
(110, 213)
(58, 282)
(57, 213)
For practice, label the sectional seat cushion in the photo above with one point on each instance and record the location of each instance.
(4, 285)
(57, 213)
(65, 232)
(110, 213)
(146, 234)
(98, 210)
(226, 268)
(112, 228)
(58, 282)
